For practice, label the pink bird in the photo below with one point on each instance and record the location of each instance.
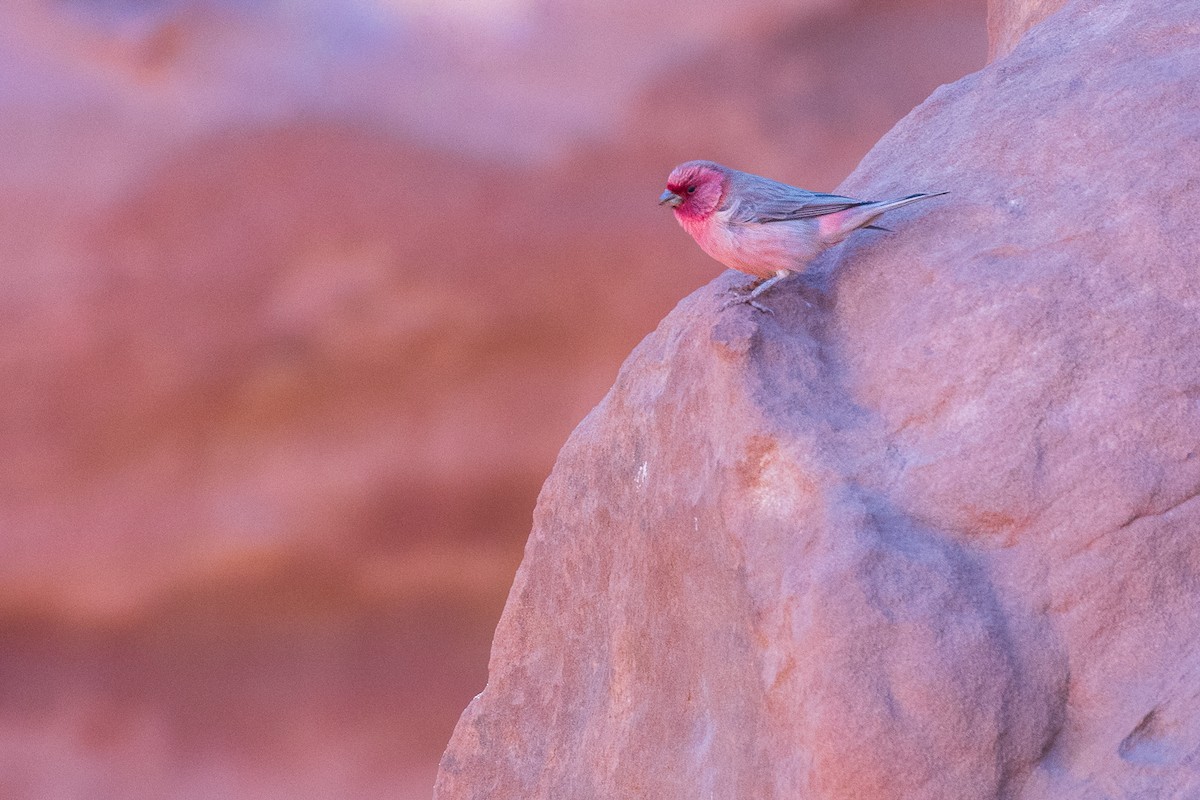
(762, 227)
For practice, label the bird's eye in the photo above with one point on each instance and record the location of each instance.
(691, 190)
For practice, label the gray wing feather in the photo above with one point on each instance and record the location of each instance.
(763, 200)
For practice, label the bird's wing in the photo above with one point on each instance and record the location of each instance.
(770, 201)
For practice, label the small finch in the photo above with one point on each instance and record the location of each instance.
(762, 227)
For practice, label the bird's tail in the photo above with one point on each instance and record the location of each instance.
(836, 227)
(883, 206)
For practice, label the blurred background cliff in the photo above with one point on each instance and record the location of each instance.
(298, 300)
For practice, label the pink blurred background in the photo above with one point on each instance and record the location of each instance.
(299, 299)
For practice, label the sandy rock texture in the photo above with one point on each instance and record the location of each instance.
(1008, 20)
(935, 536)
(289, 341)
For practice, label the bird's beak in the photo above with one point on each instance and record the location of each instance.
(670, 198)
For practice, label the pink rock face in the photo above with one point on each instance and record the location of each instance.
(1009, 19)
(934, 536)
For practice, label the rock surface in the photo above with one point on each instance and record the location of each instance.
(935, 536)
(1008, 20)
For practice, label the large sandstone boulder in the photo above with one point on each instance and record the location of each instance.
(933, 536)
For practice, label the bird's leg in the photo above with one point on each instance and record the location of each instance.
(758, 288)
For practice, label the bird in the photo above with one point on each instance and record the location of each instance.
(765, 228)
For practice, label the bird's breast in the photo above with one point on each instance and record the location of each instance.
(758, 249)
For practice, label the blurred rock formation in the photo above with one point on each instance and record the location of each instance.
(299, 302)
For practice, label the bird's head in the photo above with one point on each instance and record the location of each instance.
(695, 189)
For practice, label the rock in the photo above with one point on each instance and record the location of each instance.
(1009, 19)
(934, 536)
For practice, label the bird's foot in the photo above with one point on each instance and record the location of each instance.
(746, 289)
(746, 298)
